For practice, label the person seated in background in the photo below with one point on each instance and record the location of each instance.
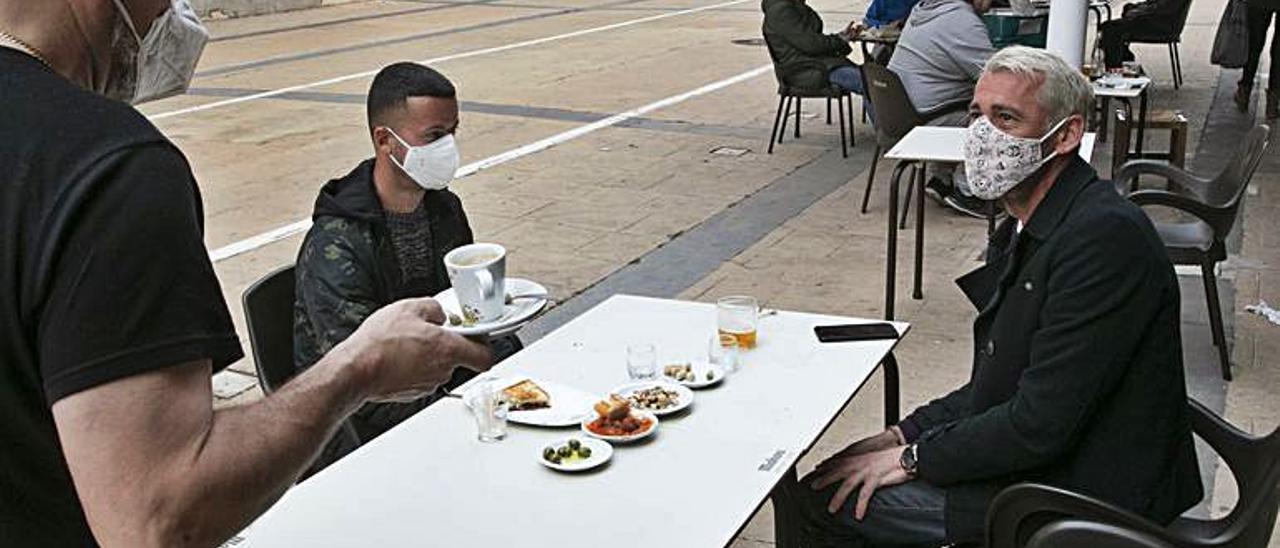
(888, 13)
(1077, 375)
(803, 56)
(1152, 17)
(380, 233)
(939, 58)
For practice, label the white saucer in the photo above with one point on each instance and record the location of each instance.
(514, 315)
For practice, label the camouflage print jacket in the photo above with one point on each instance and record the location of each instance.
(347, 269)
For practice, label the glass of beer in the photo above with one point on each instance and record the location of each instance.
(737, 317)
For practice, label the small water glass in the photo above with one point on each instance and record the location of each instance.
(722, 350)
(489, 408)
(642, 362)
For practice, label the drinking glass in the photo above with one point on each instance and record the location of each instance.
(489, 407)
(642, 362)
(738, 316)
(722, 350)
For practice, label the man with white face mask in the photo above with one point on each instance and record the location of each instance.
(1077, 379)
(381, 232)
(111, 318)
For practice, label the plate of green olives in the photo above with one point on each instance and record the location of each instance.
(576, 454)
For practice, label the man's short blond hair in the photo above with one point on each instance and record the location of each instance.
(1063, 90)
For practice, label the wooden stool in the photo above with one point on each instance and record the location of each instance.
(1170, 120)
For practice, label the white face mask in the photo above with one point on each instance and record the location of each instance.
(995, 162)
(432, 165)
(160, 64)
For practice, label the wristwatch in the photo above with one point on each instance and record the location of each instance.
(908, 460)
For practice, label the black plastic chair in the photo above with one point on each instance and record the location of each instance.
(789, 94)
(1050, 516)
(268, 314)
(1172, 39)
(1213, 204)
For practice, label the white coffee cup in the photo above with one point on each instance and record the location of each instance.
(478, 273)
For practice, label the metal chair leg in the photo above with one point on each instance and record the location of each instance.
(844, 145)
(853, 142)
(891, 244)
(798, 105)
(1215, 318)
(777, 117)
(786, 115)
(828, 111)
(1173, 64)
(871, 178)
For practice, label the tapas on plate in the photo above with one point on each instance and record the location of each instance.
(694, 374)
(659, 397)
(617, 422)
(574, 455)
(540, 402)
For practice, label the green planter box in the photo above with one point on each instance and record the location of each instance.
(1007, 29)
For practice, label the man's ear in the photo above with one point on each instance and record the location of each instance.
(383, 142)
(1070, 135)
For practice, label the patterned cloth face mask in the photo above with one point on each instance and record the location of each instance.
(995, 161)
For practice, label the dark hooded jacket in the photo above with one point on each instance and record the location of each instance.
(802, 55)
(347, 269)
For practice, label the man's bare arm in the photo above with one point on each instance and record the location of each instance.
(155, 465)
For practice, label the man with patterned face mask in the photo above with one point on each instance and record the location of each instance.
(111, 318)
(381, 232)
(1077, 379)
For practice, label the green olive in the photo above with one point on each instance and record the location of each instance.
(584, 452)
(549, 453)
(555, 460)
(564, 452)
(574, 444)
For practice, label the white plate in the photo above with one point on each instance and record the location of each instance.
(514, 315)
(568, 404)
(684, 398)
(623, 439)
(601, 452)
(700, 369)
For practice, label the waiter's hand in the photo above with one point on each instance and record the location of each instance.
(403, 352)
(865, 472)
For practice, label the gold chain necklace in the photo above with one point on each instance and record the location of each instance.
(14, 42)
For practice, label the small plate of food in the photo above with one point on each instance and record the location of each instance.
(617, 422)
(695, 373)
(537, 402)
(576, 455)
(659, 397)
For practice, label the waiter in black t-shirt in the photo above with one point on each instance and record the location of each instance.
(111, 319)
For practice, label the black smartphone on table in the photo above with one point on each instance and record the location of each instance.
(856, 332)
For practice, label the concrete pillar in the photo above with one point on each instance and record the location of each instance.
(1068, 24)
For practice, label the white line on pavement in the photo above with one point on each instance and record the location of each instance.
(455, 56)
(277, 234)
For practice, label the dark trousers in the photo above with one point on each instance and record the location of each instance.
(906, 515)
(1115, 38)
(1259, 20)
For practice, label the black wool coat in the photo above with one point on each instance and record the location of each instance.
(1077, 379)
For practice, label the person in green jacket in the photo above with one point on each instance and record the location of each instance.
(803, 56)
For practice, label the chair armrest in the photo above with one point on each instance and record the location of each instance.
(1130, 171)
(1030, 501)
(1216, 218)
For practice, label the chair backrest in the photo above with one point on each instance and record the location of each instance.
(1255, 464)
(1072, 532)
(895, 115)
(1228, 188)
(1020, 512)
(268, 313)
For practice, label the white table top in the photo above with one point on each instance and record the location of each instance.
(946, 145)
(1135, 87)
(695, 483)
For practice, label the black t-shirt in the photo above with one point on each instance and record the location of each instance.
(103, 274)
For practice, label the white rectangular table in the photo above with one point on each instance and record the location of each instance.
(429, 482)
(922, 145)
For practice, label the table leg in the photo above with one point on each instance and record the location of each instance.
(891, 251)
(1142, 121)
(890, 368)
(786, 532)
(918, 290)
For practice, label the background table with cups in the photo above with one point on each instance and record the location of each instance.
(695, 483)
